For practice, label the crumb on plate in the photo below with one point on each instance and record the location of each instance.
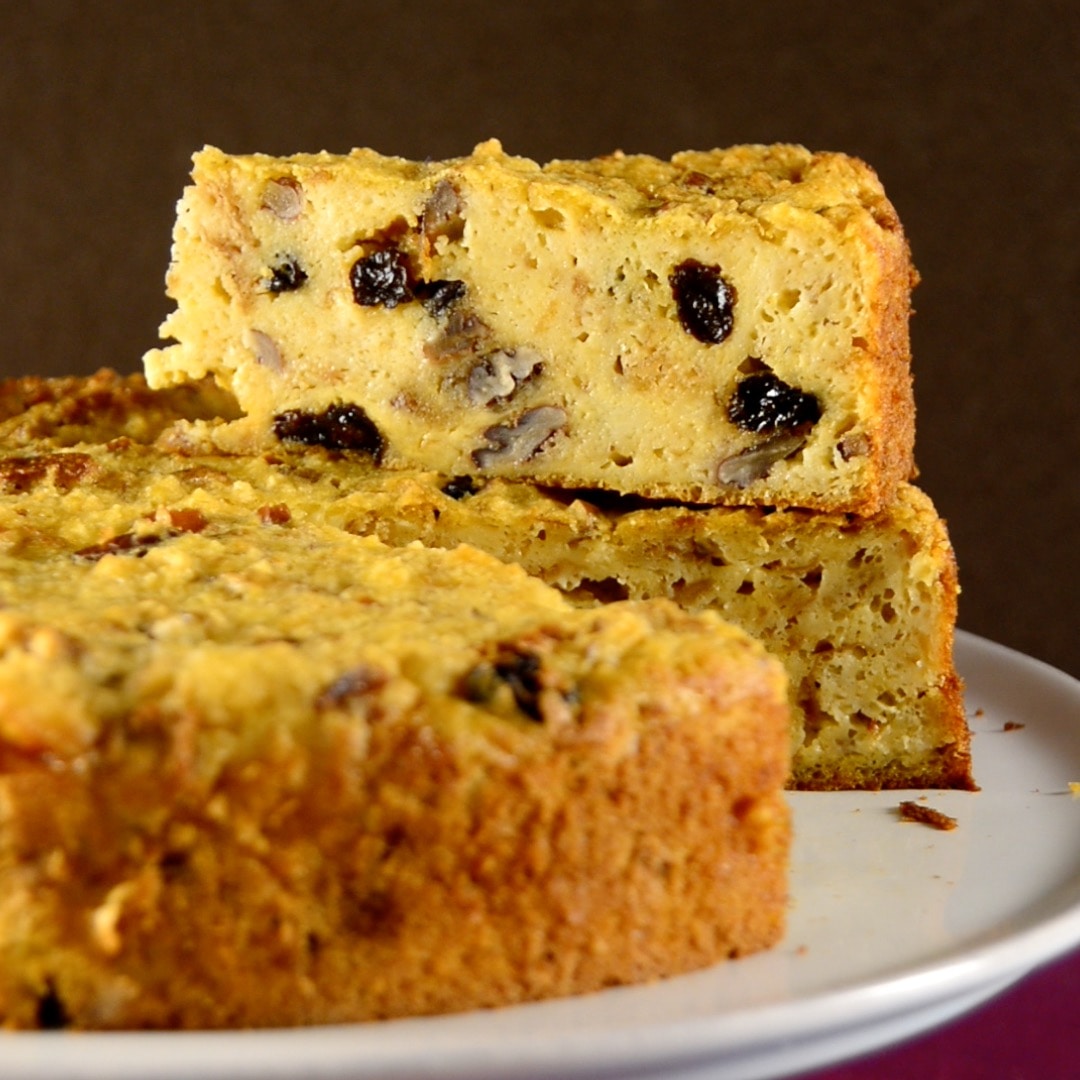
(926, 815)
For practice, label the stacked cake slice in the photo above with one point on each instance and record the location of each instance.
(727, 327)
(860, 610)
(390, 649)
(721, 340)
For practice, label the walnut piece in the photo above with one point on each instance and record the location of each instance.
(744, 468)
(284, 198)
(517, 442)
(267, 354)
(499, 374)
(443, 214)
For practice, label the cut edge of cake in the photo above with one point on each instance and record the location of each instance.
(537, 315)
(221, 809)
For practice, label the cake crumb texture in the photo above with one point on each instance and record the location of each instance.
(256, 770)
(861, 610)
(726, 327)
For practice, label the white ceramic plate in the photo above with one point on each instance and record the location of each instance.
(896, 928)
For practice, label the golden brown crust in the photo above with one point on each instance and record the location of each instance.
(406, 883)
(892, 307)
(73, 409)
(255, 770)
(861, 610)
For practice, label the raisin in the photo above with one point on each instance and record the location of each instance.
(437, 296)
(381, 279)
(356, 683)
(172, 864)
(521, 672)
(705, 301)
(764, 404)
(51, 1014)
(123, 544)
(287, 276)
(459, 487)
(340, 427)
(518, 671)
(187, 520)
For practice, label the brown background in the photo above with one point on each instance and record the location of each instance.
(970, 112)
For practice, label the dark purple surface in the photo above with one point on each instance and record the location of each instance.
(1031, 1032)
